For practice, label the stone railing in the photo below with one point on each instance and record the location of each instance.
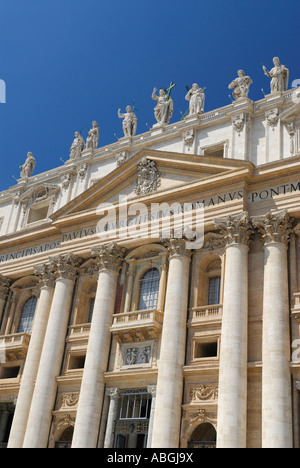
(144, 324)
(206, 313)
(79, 332)
(15, 346)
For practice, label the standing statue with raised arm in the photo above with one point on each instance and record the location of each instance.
(129, 122)
(164, 108)
(28, 167)
(240, 85)
(279, 75)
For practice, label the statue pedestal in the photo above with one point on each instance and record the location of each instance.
(193, 118)
(158, 129)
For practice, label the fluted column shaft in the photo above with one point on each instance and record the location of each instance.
(232, 402)
(167, 417)
(19, 424)
(43, 400)
(276, 377)
(92, 387)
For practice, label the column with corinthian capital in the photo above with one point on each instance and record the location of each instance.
(65, 268)
(276, 377)
(109, 259)
(47, 282)
(232, 402)
(167, 416)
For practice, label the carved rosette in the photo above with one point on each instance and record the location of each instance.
(177, 248)
(109, 257)
(275, 228)
(236, 230)
(46, 275)
(4, 287)
(64, 266)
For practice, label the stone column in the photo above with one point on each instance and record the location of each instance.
(33, 356)
(114, 399)
(152, 390)
(65, 268)
(87, 423)
(232, 402)
(166, 426)
(4, 287)
(276, 376)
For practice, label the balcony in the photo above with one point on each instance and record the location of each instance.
(14, 346)
(139, 325)
(79, 333)
(204, 314)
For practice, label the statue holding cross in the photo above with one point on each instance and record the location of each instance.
(164, 109)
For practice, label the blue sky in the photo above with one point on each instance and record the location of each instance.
(69, 62)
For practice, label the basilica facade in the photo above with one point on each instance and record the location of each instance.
(150, 289)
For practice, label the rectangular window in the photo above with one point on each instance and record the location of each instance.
(214, 288)
(135, 405)
(38, 214)
(206, 350)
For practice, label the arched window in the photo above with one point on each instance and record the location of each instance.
(148, 290)
(204, 436)
(27, 315)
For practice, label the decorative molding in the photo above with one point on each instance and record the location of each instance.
(4, 287)
(274, 227)
(189, 138)
(236, 230)
(109, 257)
(177, 247)
(272, 117)
(113, 393)
(65, 266)
(46, 275)
(148, 179)
(69, 400)
(204, 393)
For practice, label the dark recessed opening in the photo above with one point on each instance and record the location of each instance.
(206, 350)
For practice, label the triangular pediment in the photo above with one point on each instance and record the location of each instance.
(170, 172)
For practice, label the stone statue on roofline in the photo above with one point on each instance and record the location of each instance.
(240, 85)
(163, 110)
(129, 122)
(279, 76)
(77, 146)
(196, 97)
(28, 167)
(93, 137)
